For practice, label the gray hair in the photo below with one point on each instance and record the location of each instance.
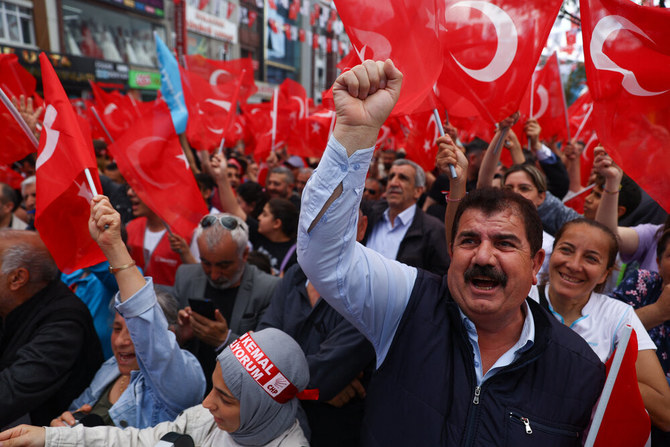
(214, 234)
(307, 170)
(28, 181)
(419, 177)
(26, 250)
(284, 171)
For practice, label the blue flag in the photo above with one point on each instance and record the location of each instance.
(171, 85)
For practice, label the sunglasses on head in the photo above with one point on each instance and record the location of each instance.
(227, 222)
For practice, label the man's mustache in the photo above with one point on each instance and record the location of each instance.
(485, 271)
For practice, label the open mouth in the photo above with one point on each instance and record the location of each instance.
(484, 283)
(570, 279)
(126, 358)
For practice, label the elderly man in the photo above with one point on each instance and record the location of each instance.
(49, 350)
(402, 231)
(239, 292)
(462, 360)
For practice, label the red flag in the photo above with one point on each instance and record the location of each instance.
(273, 26)
(549, 108)
(627, 59)
(212, 109)
(16, 80)
(260, 121)
(301, 35)
(293, 98)
(272, 4)
(491, 49)
(320, 126)
(421, 147)
(294, 9)
(10, 177)
(63, 195)
(224, 72)
(625, 422)
(117, 111)
(16, 140)
(404, 31)
(153, 163)
(231, 8)
(315, 41)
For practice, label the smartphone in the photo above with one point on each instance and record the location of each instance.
(202, 306)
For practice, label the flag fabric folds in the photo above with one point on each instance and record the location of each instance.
(171, 85)
(627, 60)
(153, 163)
(63, 195)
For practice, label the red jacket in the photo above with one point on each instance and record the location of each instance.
(164, 262)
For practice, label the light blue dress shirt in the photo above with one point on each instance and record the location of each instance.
(385, 237)
(371, 291)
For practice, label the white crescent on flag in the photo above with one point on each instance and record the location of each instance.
(543, 94)
(507, 41)
(606, 26)
(52, 136)
(134, 151)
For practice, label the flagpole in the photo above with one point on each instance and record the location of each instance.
(565, 111)
(233, 110)
(19, 119)
(274, 117)
(532, 97)
(89, 179)
(438, 121)
(332, 124)
(581, 126)
(609, 385)
(104, 128)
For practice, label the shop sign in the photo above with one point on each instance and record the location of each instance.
(210, 25)
(146, 80)
(150, 7)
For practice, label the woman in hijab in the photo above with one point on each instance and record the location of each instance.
(253, 401)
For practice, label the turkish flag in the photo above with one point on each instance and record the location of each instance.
(16, 80)
(580, 119)
(211, 108)
(490, 50)
(627, 60)
(252, 15)
(320, 127)
(549, 108)
(421, 147)
(15, 139)
(10, 177)
(260, 119)
(224, 72)
(63, 195)
(153, 163)
(116, 111)
(625, 422)
(293, 98)
(404, 31)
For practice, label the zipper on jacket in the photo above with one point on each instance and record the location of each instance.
(478, 391)
(541, 427)
(524, 421)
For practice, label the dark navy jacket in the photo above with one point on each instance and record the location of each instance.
(425, 393)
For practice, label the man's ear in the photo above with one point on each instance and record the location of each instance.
(18, 278)
(621, 210)
(538, 260)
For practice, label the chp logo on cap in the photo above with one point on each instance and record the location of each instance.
(259, 366)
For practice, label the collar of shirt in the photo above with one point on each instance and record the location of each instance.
(525, 342)
(585, 310)
(404, 219)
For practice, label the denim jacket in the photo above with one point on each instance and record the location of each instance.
(169, 380)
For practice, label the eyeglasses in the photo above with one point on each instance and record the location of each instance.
(227, 222)
(371, 191)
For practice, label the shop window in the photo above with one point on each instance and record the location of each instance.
(16, 23)
(100, 33)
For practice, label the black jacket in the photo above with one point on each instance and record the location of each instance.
(424, 245)
(425, 392)
(49, 353)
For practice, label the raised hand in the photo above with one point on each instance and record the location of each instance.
(104, 224)
(364, 97)
(448, 153)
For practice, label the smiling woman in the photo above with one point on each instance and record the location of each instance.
(583, 257)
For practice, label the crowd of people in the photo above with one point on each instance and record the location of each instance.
(354, 299)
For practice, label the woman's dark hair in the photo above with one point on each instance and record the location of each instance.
(613, 248)
(662, 243)
(253, 194)
(287, 212)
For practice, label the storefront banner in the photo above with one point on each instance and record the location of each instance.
(210, 25)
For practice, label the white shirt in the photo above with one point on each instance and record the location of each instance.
(386, 237)
(602, 322)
